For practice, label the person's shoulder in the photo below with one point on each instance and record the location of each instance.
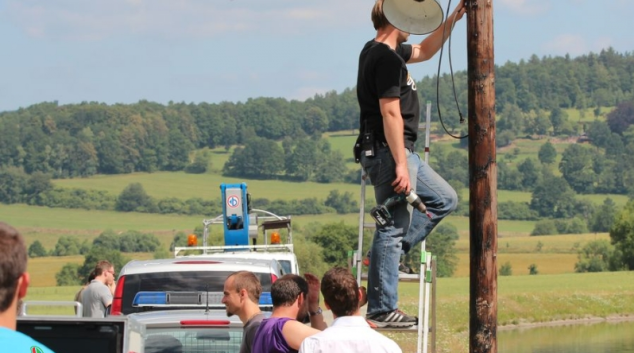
(404, 51)
(14, 341)
(254, 323)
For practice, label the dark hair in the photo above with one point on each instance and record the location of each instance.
(12, 263)
(101, 267)
(378, 17)
(91, 276)
(340, 291)
(285, 290)
(249, 281)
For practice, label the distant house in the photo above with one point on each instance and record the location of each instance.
(583, 138)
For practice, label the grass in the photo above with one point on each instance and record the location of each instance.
(207, 186)
(523, 299)
(547, 264)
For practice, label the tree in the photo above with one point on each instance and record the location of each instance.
(180, 240)
(506, 269)
(603, 217)
(545, 227)
(599, 133)
(577, 168)
(342, 203)
(547, 153)
(200, 164)
(315, 121)
(310, 257)
(532, 269)
(621, 117)
(331, 168)
(302, 158)
(552, 197)
(96, 254)
(530, 173)
(260, 158)
(36, 249)
(12, 183)
(161, 253)
(512, 119)
(69, 275)
(622, 234)
(336, 239)
(108, 239)
(67, 246)
(134, 198)
(594, 257)
(178, 150)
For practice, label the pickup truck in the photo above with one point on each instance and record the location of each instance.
(171, 331)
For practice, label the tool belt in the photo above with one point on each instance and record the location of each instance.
(367, 145)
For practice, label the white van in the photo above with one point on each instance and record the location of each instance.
(185, 282)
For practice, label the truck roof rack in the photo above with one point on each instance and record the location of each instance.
(259, 220)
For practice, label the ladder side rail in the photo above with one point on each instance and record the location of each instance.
(427, 296)
(423, 288)
(434, 269)
(359, 256)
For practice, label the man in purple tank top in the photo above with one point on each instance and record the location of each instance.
(294, 298)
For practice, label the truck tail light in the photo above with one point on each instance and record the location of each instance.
(117, 301)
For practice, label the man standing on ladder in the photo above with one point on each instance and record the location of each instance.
(388, 130)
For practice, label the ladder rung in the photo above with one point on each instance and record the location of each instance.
(369, 225)
(402, 277)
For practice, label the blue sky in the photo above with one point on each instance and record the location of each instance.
(122, 51)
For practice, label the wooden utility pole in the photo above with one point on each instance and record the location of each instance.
(482, 178)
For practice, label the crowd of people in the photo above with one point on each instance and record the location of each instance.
(296, 299)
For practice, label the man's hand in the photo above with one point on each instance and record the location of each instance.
(401, 183)
(313, 291)
(112, 287)
(460, 10)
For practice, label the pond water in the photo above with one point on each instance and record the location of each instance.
(604, 337)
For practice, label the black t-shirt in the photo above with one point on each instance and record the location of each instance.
(383, 74)
(250, 328)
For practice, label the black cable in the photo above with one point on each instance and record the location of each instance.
(452, 79)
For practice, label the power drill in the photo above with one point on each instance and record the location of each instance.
(381, 213)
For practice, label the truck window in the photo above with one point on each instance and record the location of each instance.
(226, 340)
(286, 266)
(178, 281)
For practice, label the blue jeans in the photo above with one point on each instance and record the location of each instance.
(409, 228)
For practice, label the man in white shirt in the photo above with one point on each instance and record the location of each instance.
(349, 331)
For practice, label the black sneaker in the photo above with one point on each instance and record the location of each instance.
(404, 269)
(394, 318)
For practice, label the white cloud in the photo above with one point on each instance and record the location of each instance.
(168, 19)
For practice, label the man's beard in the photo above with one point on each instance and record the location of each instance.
(229, 313)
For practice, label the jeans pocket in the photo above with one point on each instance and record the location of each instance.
(385, 172)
